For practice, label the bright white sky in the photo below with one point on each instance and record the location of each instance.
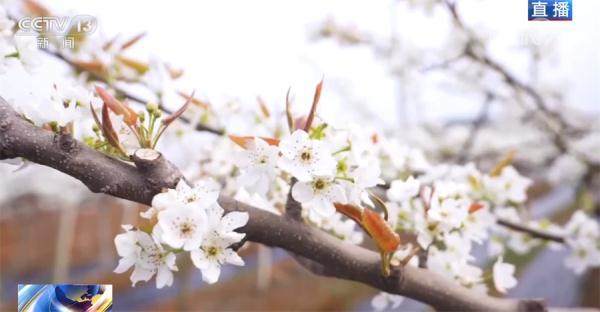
(241, 49)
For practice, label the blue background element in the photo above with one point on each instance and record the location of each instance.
(59, 298)
(550, 10)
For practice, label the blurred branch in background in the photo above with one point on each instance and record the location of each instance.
(560, 134)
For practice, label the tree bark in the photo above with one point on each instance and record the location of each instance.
(150, 173)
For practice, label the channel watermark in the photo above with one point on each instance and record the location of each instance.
(66, 28)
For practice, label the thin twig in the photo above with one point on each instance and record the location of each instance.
(533, 232)
(130, 96)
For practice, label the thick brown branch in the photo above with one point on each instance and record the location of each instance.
(19, 138)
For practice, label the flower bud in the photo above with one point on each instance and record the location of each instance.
(151, 107)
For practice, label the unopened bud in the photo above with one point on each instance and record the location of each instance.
(141, 116)
(54, 126)
(151, 107)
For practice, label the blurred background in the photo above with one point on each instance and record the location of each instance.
(424, 71)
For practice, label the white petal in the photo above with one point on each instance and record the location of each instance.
(193, 243)
(140, 274)
(303, 192)
(166, 218)
(424, 239)
(396, 300)
(503, 275)
(164, 200)
(234, 220)
(182, 186)
(296, 170)
(124, 264)
(125, 244)
(248, 178)
(336, 194)
(232, 257)
(170, 262)
(379, 302)
(214, 214)
(323, 207)
(149, 214)
(164, 277)
(199, 259)
(211, 272)
(290, 145)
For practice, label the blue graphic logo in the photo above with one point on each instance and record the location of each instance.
(64, 298)
(550, 10)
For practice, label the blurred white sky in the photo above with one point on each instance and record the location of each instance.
(241, 49)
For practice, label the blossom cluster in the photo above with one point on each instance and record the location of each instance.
(441, 209)
(327, 168)
(182, 220)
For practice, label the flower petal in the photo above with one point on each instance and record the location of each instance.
(232, 257)
(211, 272)
(234, 220)
(303, 192)
(124, 264)
(164, 277)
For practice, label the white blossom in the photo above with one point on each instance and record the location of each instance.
(320, 194)
(503, 274)
(202, 195)
(215, 248)
(304, 158)
(363, 177)
(449, 212)
(509, 186)
(29, 54)
(182, 226)
(403, 190)
(385, 301)
(140, 250)
(6, 24)
(258, 162)
(583, 237)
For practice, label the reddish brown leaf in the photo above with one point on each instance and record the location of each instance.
(300, 123)
(350, 211)
(167, 121)
(263, 107)
(387, 240)
(475, 207)
(243, 141)
(36, 9)
(313, 108)
(108, 130)
(94, 67)
(195, 101)
(132, 41)
(130, 117)
(138, 66)
(375, 138)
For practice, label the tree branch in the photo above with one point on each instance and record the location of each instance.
(532, 232)
(102, 174)
(293, 209)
